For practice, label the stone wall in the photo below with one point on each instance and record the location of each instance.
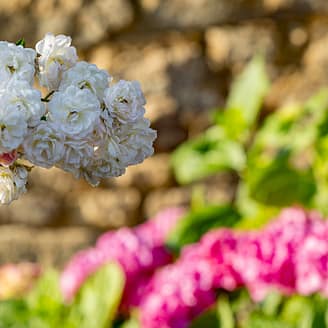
(185, 53)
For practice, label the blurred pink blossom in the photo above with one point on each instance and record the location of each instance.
(290, 254)
(138, 250)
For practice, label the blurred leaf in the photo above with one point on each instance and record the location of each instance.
(270, 305)
(46, 308)
(208, 319)
(281, 185)
(262, 321)
(233, 123)
(247, 94)
(254, 214)
(46, 293)
(208, 154)
(225, 312)
(190, 228)
(13, 313)
(197, 198)
(99, 298)
(131, 323)
(298, 312)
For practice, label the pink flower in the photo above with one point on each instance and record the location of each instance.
(177, 294)
(290, 254)
(79, 268)
(311, 262)
(6, 159)
(271, 256)
(138, 250)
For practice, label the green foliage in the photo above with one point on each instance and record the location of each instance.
(279, 184)
(210, 153)
(276, 311)
(247, 94)
(95, 305)
(221, 147)
(21, 42)
(97, 302)
(282, 162)
(197, 222)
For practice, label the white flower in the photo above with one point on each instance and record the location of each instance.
(12, 183)
(115, 151)
(137, 138)
(77, 154)
(13, 126)
(125, 101)
(44, 146)
(7, 187)
(85, 75)
(25, 99)
(20, 179)
(56, 56)
(101, 169)
(75, 111)
(17, 62)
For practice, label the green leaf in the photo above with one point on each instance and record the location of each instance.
(261, 321)
(46, 308)
(190, 228)
(254, 214)
(247, 93)
(206, 155)
(298, 312)
(131, 323)
(281, 185)
(270, 305)
(208, 319)
(225, 312)
(21, 42)
(46, 294)
(14, 313)
(98, 300)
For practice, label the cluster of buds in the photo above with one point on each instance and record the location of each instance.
(86, 124)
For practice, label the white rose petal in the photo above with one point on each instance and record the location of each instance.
(13, 126)
(85, 75)
(101, 169)
(12, 183)
(77, 154)
(56, 56)
(16, 62)
(26, 100)
(44, 146)
(125, 100)
(75, 111)
(138, 139)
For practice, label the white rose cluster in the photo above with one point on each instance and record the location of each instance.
(86, 124)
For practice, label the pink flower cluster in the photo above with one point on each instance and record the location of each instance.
(290, 254)
(138, 250)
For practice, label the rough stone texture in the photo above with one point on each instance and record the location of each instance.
(47, 246)
(87, 21)
(105, 208)
(171, 70)
(235, 45)
(163, 198)
(34, 208)
(154, 173)
(99, 17)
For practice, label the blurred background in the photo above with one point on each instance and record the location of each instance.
(185, 53)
